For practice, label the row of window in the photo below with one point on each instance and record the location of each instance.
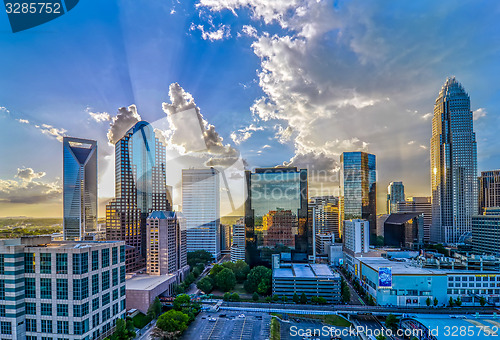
(473, 278)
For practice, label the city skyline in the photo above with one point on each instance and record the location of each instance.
(351, 94)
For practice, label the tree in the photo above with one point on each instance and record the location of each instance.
(241, 270)
(199, 256)
(303, 298)
(296, 298)
(255, 297)
(216, 269)
(225, 279)
(227, 296)
(154, 309)
(284, 299)
(196, 272)
(268, 299)
(482, 301)
(182, 301)
(173, 321)
(450, 302)
(235, 297)
(275, 297)
(346, 295)
(435, 301)
(322, 300)
(259, 280)
(380, 337)
(121, 331)
(458, 302)
(428, 301)
(314, 300)
(391, 321)
(205, 285)
(379, 242)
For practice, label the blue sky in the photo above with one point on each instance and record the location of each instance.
(306, 79)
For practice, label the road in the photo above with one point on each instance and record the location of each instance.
(355, 298)
(145, 333)
(193, 289)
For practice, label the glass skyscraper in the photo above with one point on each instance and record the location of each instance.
(358, 189)
(276, 214)
(79, 187)
(489, 190)
(140, 188)
(453, 164)
(395, 195)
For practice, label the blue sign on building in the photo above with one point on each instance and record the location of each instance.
(385, 277)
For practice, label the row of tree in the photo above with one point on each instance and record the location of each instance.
(171, 324)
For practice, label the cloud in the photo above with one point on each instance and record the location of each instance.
(267, 146)
(245, 133)
(23, 121)
(427, 116)
(248, 30)
(51, 131)
(98, 116)
(28, 190)
(283, 135)
(479, 113)
(122, 122)
(28, 174)
(221, 33)
(4, 109)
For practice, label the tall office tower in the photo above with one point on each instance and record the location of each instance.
(356, 236)
(238, 246)
(225, 238)
(358, 189)
(60, 290)
(201, 208)
(489, 190)
(453, 164)
(276, 214)
(486, 232)
(324, 212)
(421, 205)
(140, 188)
(79, 187)
(166, 245)
(395, 194)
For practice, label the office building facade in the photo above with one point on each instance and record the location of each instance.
(60, 290)
(201, 208)
(453, 164)
(422, 205)
(276, 214)
(395, 194)
(140, 187)
(404, 230)
(358, 189)
(166, 245)
(489, 190)
(79, 187)
(486, 232)
(238, 246)
(324, 215)
(356, 236)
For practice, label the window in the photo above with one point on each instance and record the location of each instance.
(95, 260)
(95, 320)
(122, 291)
(85, 308)
(95, 304)
(46, 326)
(45, 263)
(5, 327)
(105, 314)
(105, 299)
(85, 288)
(77, 289)
(85, 263)
(31, 325)
(80, 263)
(62, 263)
(46, 308)
(115, 276)
(2, 264)
(62, 289)
(115, 309)
(115, 294)
(62, 327)
(105, 257)
(105, 280)
(2, 289)
(45, 288)
(30, 287)
(95, 284)
(122, 253)
(29, 263)
(122, 274)
(77, 311)
(114, 255)
(31, 337)
(62, 310)
(2, 310)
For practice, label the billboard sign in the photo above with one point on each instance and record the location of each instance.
(385, 277)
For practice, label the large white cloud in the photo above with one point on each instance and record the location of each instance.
(122, 122)
(28, 190)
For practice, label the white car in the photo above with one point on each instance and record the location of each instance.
(241, 315)
(212, 319)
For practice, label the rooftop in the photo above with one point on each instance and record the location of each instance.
(47, 242)
(147, 282)
(302, 270)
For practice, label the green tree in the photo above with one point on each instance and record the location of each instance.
(182, 301)
(205, 284)
(241, 270)
(227, 296)
(391, 321)
(284, 298)
(196, 272)
(482, 301)
(275, 297)
(380, 337)
(322, 300)
(428, 301)
(199, 256)
(296, 298)
(121, 331)
(173, 321)
(225, 279)
(255, 297)
(235, 297)
(216, 269)
(303, 298)
(154, 309)
(259, 280)
(314, 300)
(450, 302)
(458, 302)
(435, 302)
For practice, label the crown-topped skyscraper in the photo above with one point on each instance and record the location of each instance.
(453, 164)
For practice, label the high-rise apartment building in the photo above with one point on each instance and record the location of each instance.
(356, 236)
(358, 189)
(166, 245)
(201, 208)
(421, 205)
(276, 214)
(225, 238)
(395, 194)
(60, 290)
(238, 246)
(324, 214)
(489, 190)
(453, 164)
(79, 187)
(140, 188)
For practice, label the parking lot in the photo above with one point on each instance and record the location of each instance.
(229, 326)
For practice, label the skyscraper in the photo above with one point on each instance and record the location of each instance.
(140, 188)
(489, 190)
(276, 214)
(395, 194)
(79, 188)
(422, 205)
(453, 164)
(201, 208)
(358, 189)
(238, 246)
